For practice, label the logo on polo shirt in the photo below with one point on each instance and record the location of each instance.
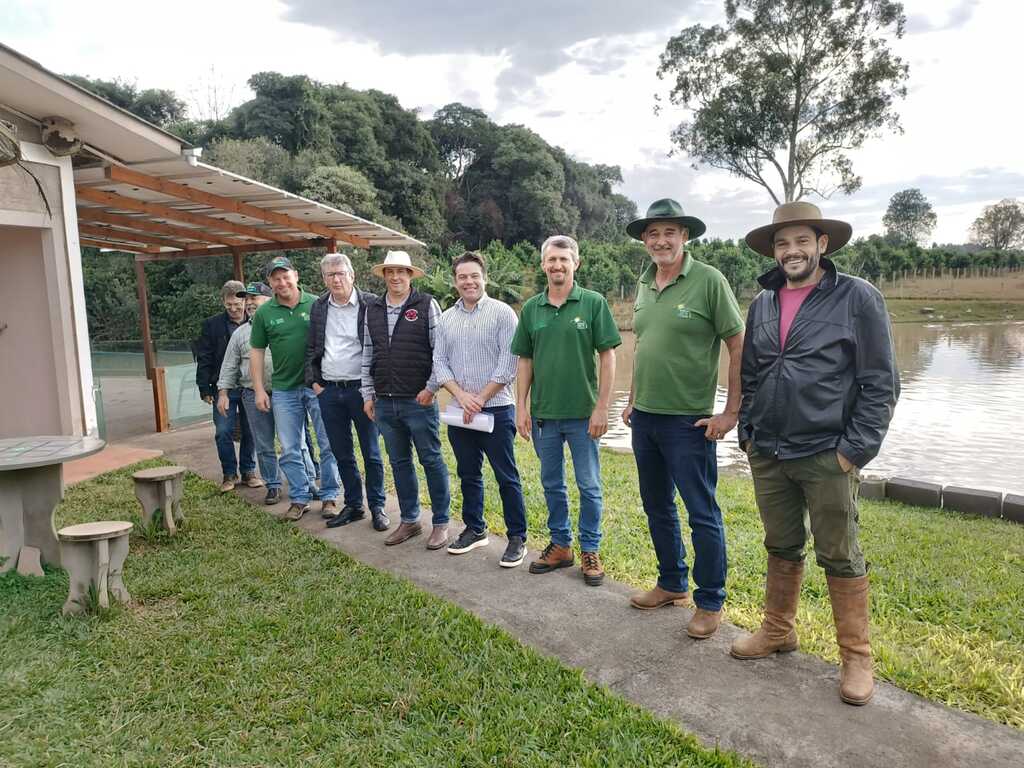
(682, 312)
(580, 323)
(277, 321)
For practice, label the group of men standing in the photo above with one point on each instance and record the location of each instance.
(811, 387)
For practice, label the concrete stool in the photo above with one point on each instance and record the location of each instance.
(159, 490)
(93, 555)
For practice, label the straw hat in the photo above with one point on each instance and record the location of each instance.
(397, 259)
(793, 214)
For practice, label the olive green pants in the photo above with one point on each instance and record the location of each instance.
(810, 495)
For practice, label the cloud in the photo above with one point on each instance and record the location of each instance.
(534, 35)
(955, 17)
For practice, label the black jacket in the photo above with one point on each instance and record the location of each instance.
(318, 330)
(401, 364)
(210, 347)
(835, 384)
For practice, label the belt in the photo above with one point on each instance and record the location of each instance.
(345, 383)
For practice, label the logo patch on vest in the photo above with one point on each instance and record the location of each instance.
(412, 315)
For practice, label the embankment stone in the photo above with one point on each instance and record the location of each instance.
(872, 488)
(1013, 508)
(972, 501)
(914, 492)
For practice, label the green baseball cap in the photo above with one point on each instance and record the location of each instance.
(278, 262)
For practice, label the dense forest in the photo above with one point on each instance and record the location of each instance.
(455, 181)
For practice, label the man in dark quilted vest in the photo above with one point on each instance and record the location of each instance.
(398, 393)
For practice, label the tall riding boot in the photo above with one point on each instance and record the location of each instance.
(850, 611)
(778, 628)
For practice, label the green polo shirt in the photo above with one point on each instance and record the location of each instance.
(285, 331)
(563, 343)
(679, 331)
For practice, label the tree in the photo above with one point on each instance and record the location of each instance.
(459, 132)
(784, 91)
(1000, 226)
(344, 188)
(909, 218)
(155, 105)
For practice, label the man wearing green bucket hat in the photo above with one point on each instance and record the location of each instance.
(684, 310)
(819, 387)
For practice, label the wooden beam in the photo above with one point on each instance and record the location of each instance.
(163, 422)
(147, 337)
(114, 200)
(118, 246)
(133, 237)
(313, 242)
(238, 264)
(127, 176)
(138, 222)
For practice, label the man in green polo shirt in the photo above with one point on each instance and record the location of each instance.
(684, 310)
(562, 333)
(283, 325)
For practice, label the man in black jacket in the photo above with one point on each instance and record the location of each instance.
(334, 367)
(819, 384)
(210, 346)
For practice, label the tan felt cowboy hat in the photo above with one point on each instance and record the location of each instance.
(397, 259)
(666, 209)
(793, 214)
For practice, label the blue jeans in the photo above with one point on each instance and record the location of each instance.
(290, 407)
(549, 437)
(470, 447)
(225, 429)
(341, 407)
(262, 427)
(404, 423)
(672, 454)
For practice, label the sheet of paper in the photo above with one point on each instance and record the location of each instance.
(482, 422)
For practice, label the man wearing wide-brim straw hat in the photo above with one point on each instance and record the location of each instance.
(398, 393)
(819, 387)
(685, 310)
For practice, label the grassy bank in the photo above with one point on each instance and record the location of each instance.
(947, 590)
(901, 310)
(249, 643)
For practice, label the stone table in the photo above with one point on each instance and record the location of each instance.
(31, 486)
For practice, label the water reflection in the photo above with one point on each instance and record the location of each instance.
(959, 415)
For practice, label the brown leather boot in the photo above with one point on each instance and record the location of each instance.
(850, 612)
(657, 597)
(554, 556)
(778, 628)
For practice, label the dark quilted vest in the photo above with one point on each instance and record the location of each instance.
(401, 365)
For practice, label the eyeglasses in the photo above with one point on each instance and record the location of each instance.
(334, 275)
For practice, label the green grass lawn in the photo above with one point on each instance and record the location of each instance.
(947, 590)
(249, 643)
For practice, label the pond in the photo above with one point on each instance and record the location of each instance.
(960, 414)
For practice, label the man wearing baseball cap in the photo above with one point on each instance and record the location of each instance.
(819, 387)
(398, 393)
(684, 312)
(282, 325)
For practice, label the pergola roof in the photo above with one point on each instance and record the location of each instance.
(181, 208)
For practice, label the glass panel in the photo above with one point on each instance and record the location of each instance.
(184, 405)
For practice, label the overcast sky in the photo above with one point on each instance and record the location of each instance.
(581, 73)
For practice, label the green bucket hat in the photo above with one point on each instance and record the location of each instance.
(666, 209)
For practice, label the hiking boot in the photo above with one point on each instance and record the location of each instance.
(273, 496)
(403, 532)
(593, 572)
(778, 628)
(850, 612)
(348, 515)
(438, 536)
(515, 552)
(380, 519)
(251, 480)
(703, 624)
(296, 511)
(468, 540)
(658, 597)
(228, 483)
(553, 557)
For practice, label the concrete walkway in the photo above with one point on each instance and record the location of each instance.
(783, 711)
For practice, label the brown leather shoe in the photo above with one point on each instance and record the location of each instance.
(404, 532)
(658, 597)
(438, 537)
(593, 571)
(778, 628)
(251, 480)
(553, 557)
(703, 624)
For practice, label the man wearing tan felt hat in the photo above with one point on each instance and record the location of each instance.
(398, 393)
(819, 384)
